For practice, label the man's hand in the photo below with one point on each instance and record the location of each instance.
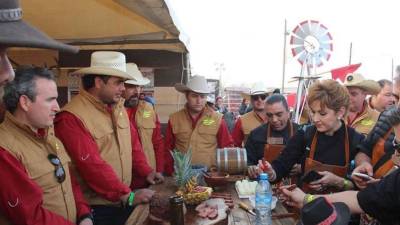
(86, 221)
(143, 196)
(253, 171)
(266, 167)
(396, 158)
(366, 168)
(155, 178)
(293, 198)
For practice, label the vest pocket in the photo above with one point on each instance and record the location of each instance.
(43, 173)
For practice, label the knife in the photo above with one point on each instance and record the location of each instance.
(246, 208)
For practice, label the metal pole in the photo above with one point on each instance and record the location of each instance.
(351, 51)
(284, 58)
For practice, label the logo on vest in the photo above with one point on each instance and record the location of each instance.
(146, 114)
(367, 122)
(208, 121)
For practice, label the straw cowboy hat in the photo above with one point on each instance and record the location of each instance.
(320, 211)
(358, 80)
(17, 33)
(196, 84)
(257, 89)
(107, 63)
(137, 76)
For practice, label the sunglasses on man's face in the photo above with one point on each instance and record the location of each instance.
(59, 172)
(256, 97)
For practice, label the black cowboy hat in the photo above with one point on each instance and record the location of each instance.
(320, 211)
(17, 33)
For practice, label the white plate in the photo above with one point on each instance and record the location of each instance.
(253, 201)
(242, 196)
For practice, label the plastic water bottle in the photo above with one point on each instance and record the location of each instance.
(263, 201)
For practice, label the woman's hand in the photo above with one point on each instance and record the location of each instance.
(328, 179)
(253, 171)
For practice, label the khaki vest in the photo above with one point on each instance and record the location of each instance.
(112, 135)
(364, 123)
(202, 138)
(145, 119)
(250, 121)
(32, 152)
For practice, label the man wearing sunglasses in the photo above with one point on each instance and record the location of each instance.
(36, 184)
(249, 121)
(196, 126)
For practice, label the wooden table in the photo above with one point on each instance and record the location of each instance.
(237, 216)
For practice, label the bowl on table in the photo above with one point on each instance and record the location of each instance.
(216, 179)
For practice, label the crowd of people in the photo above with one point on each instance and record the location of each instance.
(91, 162)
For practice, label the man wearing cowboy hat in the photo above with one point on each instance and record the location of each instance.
(361, 117)
(144, 118)
(17, 33)
(196, 126)
(95, 129)
(249, 121)
(36, 184)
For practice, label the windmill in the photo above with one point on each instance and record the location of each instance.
(311, 45)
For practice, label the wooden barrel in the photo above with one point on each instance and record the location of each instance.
(232, 160)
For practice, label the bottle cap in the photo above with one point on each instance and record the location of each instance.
(175, 199)
(263, 176)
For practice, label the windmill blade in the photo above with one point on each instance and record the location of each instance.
(299, 32)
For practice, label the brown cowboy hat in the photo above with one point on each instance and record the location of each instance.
(17, 33)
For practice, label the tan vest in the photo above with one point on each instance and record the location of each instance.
(250, 121)
(112, 135)
(364, 123)
(145, 119)
(202, 138)
(32, 152)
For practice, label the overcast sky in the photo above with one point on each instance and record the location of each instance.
(247, 36)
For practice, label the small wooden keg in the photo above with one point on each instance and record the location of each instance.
(232, 160)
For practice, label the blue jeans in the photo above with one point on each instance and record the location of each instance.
(110, 215)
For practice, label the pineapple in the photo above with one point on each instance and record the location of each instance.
(187, 181)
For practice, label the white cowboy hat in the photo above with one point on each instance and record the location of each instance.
(196, 84)
(137, 76)
(107, 63)
(358, 80)
(257, 89)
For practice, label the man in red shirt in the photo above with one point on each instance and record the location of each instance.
(196, 126)
(253, 119)
(36, 184)
(144, 118)
(98, 136)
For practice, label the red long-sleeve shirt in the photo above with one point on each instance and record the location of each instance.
(96, 172)
(157, 139)
(237, 133)
(27, 196)
(224, 139)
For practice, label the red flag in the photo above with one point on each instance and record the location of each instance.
(291, 99)
(343, 71)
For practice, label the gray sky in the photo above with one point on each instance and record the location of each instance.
(247, 36)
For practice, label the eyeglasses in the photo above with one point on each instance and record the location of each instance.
(256, 97)
(59, 172)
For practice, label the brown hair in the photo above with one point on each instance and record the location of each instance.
(330, 93)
